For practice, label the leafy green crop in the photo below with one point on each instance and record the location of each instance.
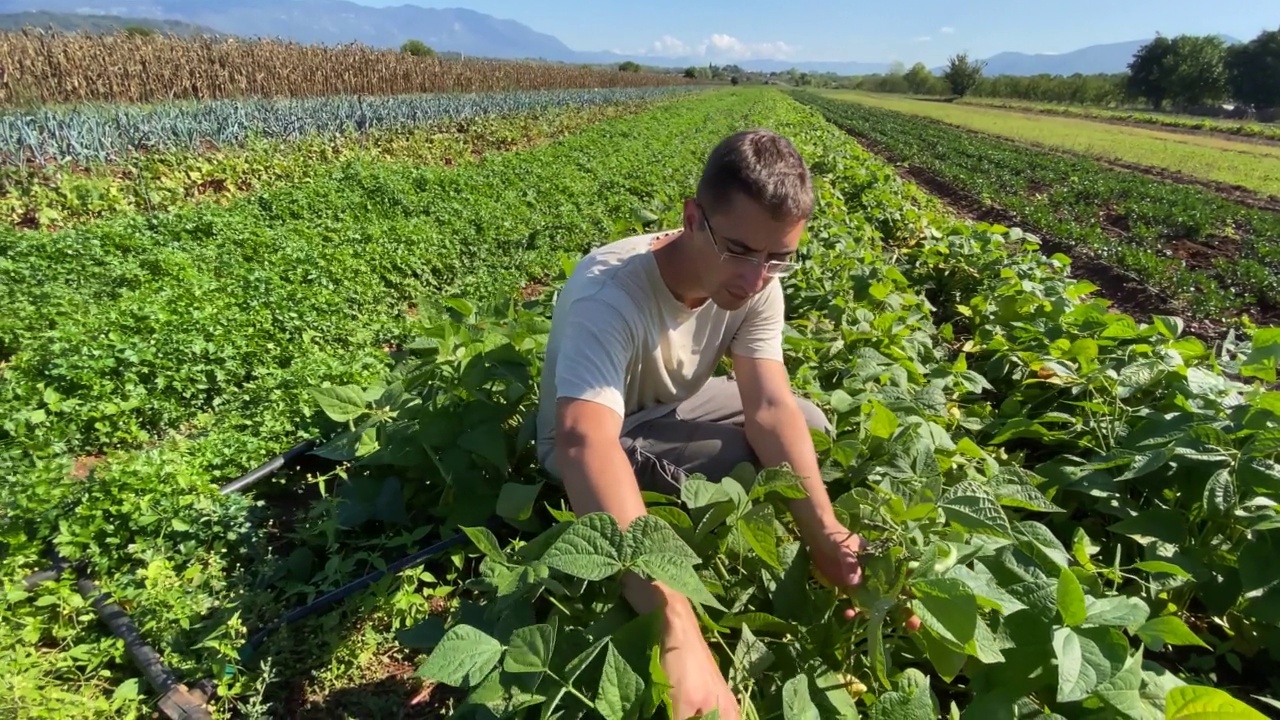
(1211, 255)
(103, 133)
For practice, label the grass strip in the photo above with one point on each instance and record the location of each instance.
(1251, 166)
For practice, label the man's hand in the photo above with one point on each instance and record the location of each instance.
(835, 557)
(697, 685)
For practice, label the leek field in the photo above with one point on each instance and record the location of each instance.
(1079, 503)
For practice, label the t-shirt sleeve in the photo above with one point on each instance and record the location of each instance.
(594, 350)
(760, 335)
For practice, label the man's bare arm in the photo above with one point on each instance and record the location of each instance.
(777, 431)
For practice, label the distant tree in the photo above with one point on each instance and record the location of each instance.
(629, 66)
(1149, 72)
(735, 80)
(1198, 70)
(963, 74)
(1253, 71)
(919, 80)
(139, 30)
(417, 48)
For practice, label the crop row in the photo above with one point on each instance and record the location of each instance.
(1244, 128)
(106, 133)
(1070, 501)
(1210, 254)
(51, 197)
(165, 353)
(54, 68)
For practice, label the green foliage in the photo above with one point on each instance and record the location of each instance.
(1253, 70)
(629, 66)
(963, 74)
(417, 48)
(1125, 218)
(1080, 508)
(1053, 489)
(1188, 71)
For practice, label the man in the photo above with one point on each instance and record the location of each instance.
(628, 397)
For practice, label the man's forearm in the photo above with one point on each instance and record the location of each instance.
(598, 478)
(779, 434)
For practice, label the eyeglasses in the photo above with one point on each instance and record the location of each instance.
(772, 268)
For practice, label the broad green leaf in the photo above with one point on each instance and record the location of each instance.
(1026, 497)
(1122, 692)
(972, 506)
(882, 422)
(1040, 543)
(620, 687)
(341, 403)
(485, 542)
(487, 441)
(758, 528)
(750, 658)
(778, 481)
(946, 660)
(530, 649)
(650, 535)
(759, 622)
(1264, 355)
(590, 549)
(697, 492)
(1126, 612)
(653, 549)
(1220, 495)
(1159, 566)
(1167, 630)
(948, 607)
(1076, 677)
(1199, 702)
(911, 699)
(1139, 376)
(797, 703)
(987, 588)
(678, 574)
(1071, 599)
(515, 500)
(462, 658)
(1170, 326)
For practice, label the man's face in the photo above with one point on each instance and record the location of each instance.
(738, 243)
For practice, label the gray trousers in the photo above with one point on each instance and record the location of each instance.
(704, 434)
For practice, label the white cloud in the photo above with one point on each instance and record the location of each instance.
(720, 47)
(947, 30)
(923, 38)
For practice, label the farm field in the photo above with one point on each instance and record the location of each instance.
(1245, 128)
(1214, 258)
(91, 162)
(1248, 165)
(1078, 505)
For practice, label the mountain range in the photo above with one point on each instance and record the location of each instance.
(473, 33)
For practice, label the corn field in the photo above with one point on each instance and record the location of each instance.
(38, 67)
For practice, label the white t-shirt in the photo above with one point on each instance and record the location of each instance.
(621, 339)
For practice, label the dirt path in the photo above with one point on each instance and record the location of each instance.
(1127, 292)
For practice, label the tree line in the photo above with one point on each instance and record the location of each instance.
(1182, 72)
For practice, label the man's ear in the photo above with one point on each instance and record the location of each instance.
(690, 215)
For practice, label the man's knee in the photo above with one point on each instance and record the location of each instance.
(814, 417)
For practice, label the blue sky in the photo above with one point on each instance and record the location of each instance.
(906, 30)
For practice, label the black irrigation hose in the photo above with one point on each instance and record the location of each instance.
(268, 468)
(334, 596)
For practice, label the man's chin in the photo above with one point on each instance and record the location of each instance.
(728, 301)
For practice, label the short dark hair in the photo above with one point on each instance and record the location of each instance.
(763, 166)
